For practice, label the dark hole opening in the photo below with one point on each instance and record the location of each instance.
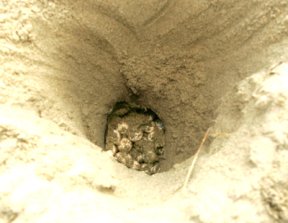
(136, 136)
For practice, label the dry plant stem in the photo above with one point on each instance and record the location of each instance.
(195, 159)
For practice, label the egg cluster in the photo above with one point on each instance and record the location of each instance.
(137, 141)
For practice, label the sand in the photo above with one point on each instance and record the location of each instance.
(198, 64)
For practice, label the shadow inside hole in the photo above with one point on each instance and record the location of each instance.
(136, 137)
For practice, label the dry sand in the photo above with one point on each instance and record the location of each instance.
(217, 64)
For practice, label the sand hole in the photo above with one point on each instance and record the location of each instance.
(136, 137)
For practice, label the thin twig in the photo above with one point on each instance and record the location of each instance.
(195, 159)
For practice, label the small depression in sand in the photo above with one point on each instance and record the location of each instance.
(136, 137)
(141, 80)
